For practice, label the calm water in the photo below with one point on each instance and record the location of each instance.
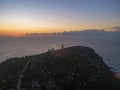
(107, 47)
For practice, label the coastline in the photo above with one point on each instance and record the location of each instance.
(117, 75)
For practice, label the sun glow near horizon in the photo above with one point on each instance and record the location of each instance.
(18, 17)
(17, 26)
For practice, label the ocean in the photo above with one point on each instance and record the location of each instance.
(107, 47)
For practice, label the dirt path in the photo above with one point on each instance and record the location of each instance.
(21, 75)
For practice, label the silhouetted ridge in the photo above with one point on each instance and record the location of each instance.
(72, 68)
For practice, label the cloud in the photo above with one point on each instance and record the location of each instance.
(116, 28)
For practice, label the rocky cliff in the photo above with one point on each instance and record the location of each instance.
(73, 68)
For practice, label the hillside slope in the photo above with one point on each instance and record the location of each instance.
(73, 68)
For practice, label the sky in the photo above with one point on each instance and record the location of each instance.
(40, 16)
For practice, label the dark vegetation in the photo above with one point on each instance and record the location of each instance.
(74, 68)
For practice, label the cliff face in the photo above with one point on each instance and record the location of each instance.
(74, 68)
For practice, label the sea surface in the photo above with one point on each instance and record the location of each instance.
(107, 47)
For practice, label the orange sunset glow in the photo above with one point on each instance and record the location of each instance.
(21, 17)
(59, 44)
